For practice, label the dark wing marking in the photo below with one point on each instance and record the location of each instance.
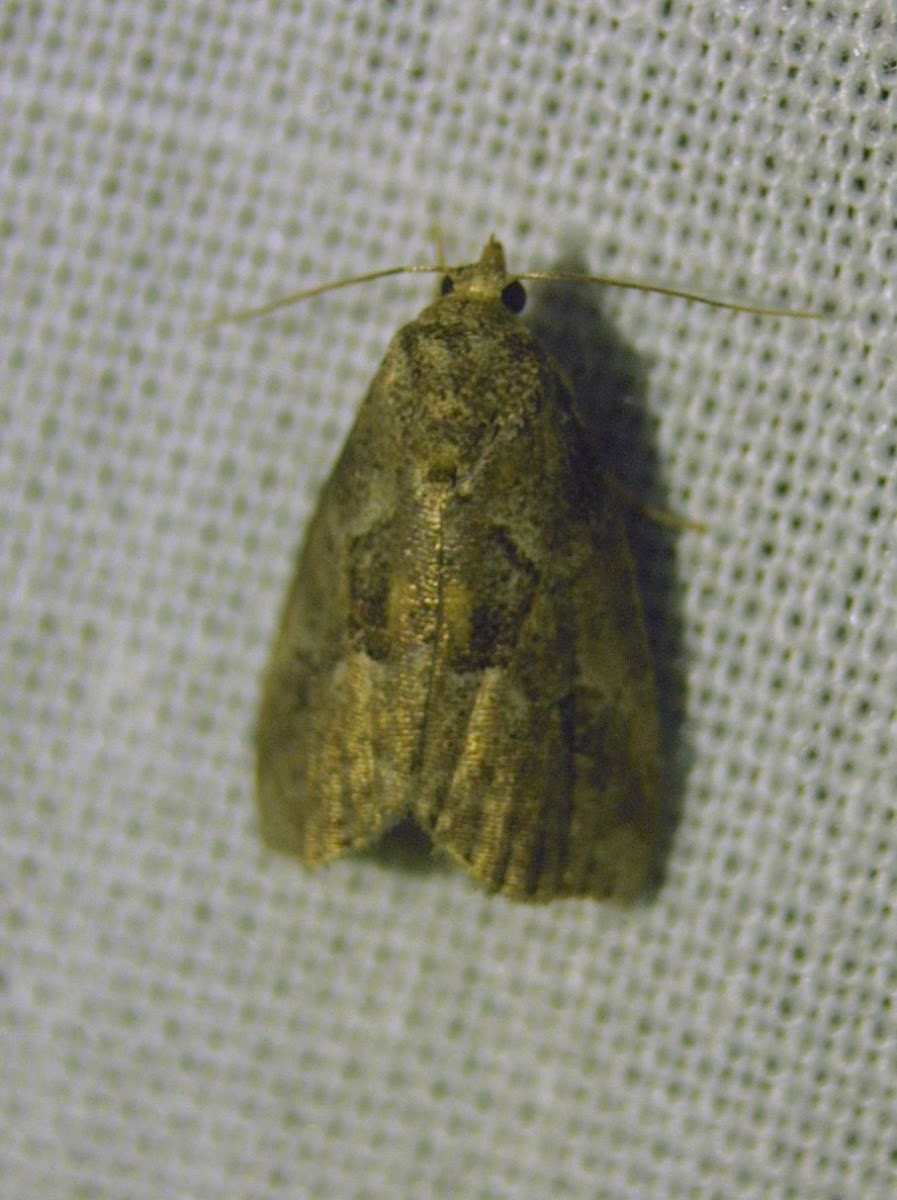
(335, 733)
(542, 772)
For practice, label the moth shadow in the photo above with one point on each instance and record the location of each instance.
(406, 847)
(610, 386)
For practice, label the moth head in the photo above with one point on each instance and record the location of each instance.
(487, 280)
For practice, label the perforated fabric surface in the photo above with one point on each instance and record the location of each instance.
(186, 1015)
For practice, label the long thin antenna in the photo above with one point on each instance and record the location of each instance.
(619, 281)
(264, 310)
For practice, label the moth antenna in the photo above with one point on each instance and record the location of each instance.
(264, 310)
(240, 316)
(619, 281)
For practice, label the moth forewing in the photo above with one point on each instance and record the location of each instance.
(322, 787)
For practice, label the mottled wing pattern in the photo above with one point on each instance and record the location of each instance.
(541, 769)
(335, 732)
(463, 639)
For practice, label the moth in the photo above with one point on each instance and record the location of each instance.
(463, 644)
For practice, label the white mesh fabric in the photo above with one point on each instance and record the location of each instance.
(185, 1015)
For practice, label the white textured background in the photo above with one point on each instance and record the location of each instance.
(184, 1015)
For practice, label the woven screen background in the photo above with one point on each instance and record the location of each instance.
(185, 1015)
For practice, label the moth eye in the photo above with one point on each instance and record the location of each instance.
(447, 286)
(514, 297)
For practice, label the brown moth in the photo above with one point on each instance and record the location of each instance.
(463, 642)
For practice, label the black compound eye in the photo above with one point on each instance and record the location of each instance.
(514, 297)
(447, 286)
